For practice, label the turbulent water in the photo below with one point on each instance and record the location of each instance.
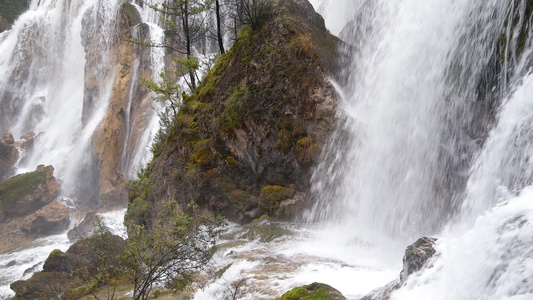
(434, 138)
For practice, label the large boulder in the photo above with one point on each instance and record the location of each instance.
(27, 210)
(313, 291)
(245, 143)
(53, 218)
(417, 256)
(72, 274)
(26, 193)
(85, 228)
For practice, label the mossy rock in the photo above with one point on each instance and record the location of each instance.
(266, 233)
(272, 195)
(19, 186)
(27, 193)
(314, 291)
(131, 13)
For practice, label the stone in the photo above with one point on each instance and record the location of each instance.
(8, 139)
(26, 193)
(417, 256)
(313, 291)
(9, 155)
(85, 228)
(53, 218)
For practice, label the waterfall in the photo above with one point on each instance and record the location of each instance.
(61, 77)
(416, 107)
(435, 137)
(57, 79)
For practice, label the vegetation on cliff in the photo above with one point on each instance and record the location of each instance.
(9, 12)
(257, 120)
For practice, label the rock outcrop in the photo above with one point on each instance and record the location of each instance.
(417, 257)
(245, 142)
(27, 210)
(129, 107)
(27, 193)
(8, 155)
(52, 218)
(62, 271)
(313, 291)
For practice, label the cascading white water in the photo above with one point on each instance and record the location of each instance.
(56, 79)
(395, 165)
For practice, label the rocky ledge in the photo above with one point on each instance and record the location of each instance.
(27, 210)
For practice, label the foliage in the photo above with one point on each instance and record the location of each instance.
(257, 12)
(9, 12)
(178, 243)
(166, 90)
(235, 105)
(104, 265)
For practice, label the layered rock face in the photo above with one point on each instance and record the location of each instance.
(129, 107)
(245, 143)
(27, 209)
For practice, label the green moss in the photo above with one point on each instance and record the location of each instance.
(56, 252)
(261, 218)
(132, 14)
(314, 291)
(10, 10)
(19, 186)
(295, 294)
(235, 105)
(305, 149)
(272, 195)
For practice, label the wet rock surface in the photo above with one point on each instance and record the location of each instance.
(8, 155)
(417, 257)
(27, 210)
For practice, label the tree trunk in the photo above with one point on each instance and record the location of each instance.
(187, 32)
(219, 29)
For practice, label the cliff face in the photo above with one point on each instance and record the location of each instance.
(128, 107)
(244, 144)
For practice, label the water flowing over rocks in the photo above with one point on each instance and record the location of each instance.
(58, 277)
(417, 257)
(127, 114)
